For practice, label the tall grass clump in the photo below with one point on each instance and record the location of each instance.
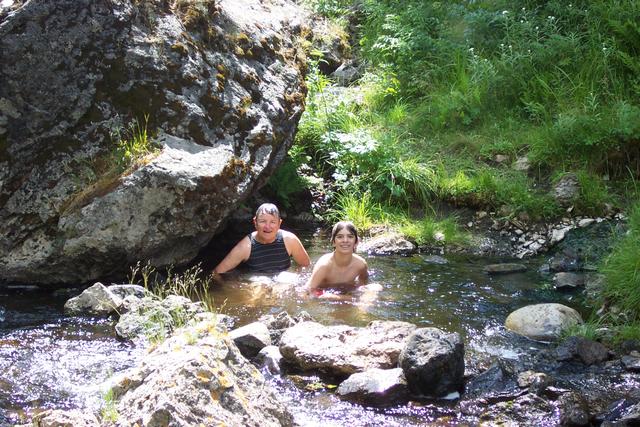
(431, 231)
(132, 144)
(109, 412)
(192, 283)
(622, 270)
(358, 208)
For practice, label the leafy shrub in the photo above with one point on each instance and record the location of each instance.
(286, 181)
(330, 8)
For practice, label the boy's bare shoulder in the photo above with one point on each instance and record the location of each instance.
(286, 234)
(359, 259)
(325, 259)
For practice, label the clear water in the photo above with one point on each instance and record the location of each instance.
(48, 360)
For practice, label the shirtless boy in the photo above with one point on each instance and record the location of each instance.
(341, 269)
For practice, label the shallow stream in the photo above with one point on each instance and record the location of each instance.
(48, 360)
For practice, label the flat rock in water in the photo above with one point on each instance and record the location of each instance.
(504, 268)
(375, 387)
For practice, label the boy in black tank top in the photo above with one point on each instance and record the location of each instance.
(268, 256)
(268, 249)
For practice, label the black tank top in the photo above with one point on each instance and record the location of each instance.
(268, 257)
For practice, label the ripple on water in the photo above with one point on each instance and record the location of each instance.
(60, 365)
(322, 409)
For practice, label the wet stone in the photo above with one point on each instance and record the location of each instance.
(505, 268)
(574, 410)
(566, 280)
(587, 351)
(251, 338)
(498, 380)
(536, 382)
(375, 387)
(615, 412)
(631, 362)
(436, 259)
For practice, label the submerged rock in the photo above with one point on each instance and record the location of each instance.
(569, 280)
(504, 268)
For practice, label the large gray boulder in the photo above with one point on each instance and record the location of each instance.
(221, 83)
(433, 362)
(344, 350)
(196, 377)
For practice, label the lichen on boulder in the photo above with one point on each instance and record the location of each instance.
(221, 85)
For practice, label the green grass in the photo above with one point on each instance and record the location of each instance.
(622, 270)
(429, 231)
(98, 176)
(452, 87)
(192, 283)
(588, 330)
(357, 208)
(132, 144)
(109, 413)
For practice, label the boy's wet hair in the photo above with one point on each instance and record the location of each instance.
(341, 226)
(269, 209)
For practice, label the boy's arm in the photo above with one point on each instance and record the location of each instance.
(363, 275)
(296, 250)
(317, 276)
(239, 253)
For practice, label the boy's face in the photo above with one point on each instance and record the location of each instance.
(267, 226)
(345, 241)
